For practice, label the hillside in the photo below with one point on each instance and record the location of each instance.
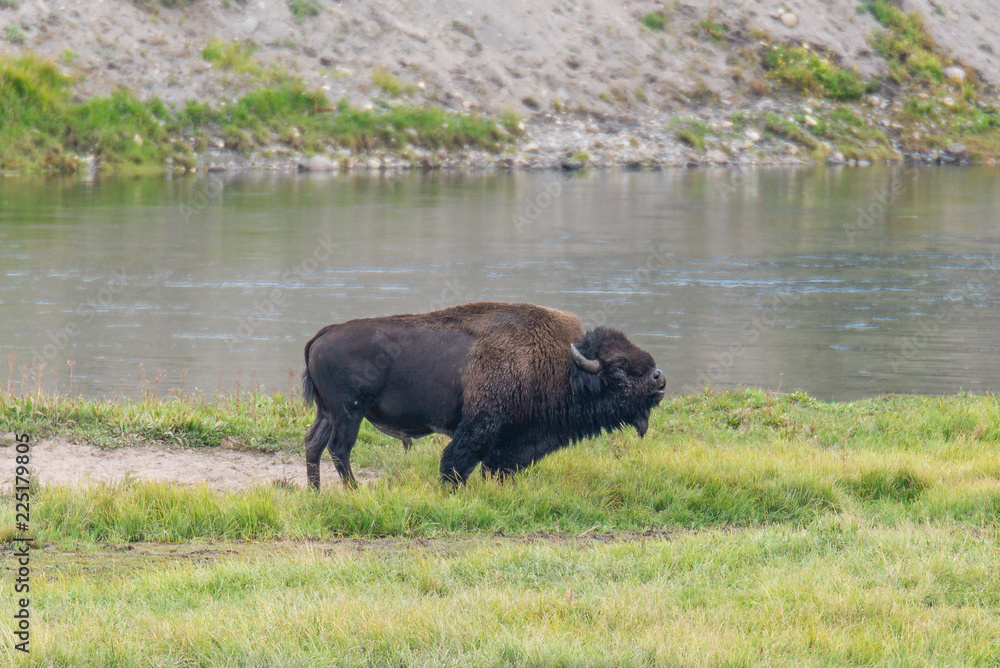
(595, 81)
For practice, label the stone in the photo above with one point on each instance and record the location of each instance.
(718, 157)
(317, 163)
(790, 19)
(954, 73)
(327, 59)
(810, 121)
(836, 158)
(958, 150)
(752, 136)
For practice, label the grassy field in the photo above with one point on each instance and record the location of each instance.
(746, 528)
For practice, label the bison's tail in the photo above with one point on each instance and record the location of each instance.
(308, 389)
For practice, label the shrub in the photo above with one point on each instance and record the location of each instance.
(809, 71)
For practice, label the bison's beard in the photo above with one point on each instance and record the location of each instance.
(641, 424)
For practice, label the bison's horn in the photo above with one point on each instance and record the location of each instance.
(593, 366)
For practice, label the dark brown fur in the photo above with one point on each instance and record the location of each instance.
(499, 378)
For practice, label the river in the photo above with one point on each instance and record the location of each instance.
(845, 283)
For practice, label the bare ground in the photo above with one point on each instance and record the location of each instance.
(58, 462)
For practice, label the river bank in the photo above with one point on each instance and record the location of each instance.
(158, 86)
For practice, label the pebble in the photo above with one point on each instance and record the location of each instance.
(954, 73)
(836, 158)
(957, 150)
(317, 163)
(718, 157)
(790, 19)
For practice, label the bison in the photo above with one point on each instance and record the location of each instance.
(509, 383)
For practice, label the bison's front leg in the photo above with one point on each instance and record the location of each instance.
(463, 453)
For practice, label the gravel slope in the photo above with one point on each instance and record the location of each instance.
(544, 59)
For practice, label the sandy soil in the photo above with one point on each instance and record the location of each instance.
(59, 462)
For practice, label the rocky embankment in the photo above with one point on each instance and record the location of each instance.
(596, 83)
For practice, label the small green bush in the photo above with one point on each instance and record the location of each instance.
(809, 71)
(905, 43)
(302, 9)
(654, 21)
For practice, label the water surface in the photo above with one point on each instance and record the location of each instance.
(842, 282)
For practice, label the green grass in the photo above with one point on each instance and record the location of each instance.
(233, 56)
(809, 71)
(840, 593)
(303, 9)
(715, 30)
(905, 43)
(938, 112)
(43, 129)
(655, 21)
(14, 33)
(390, 85)
(692, 132)
(851, 135)
(746, 528)
(709, 461)
(779, 126)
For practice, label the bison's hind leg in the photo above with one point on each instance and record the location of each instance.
(342, 439)
(316, 439)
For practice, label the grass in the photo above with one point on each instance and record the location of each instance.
(808, 71)
(303, 9)
(234, 56)
(905, 43)
(851, 135)
(716, 31)
(43, 129)
(710, 461)
(14, 33)
(747, 527)
(784, 128)
(390, 85)
(655, 21)
(692, 132)
(841, 593)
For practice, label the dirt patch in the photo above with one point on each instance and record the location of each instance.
(59, 462)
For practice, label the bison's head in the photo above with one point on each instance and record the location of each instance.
(625, 378)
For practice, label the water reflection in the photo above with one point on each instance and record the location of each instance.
(844, 283)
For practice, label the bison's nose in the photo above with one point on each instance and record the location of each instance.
(660, 379)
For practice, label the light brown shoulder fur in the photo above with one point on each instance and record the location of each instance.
(521, 357)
